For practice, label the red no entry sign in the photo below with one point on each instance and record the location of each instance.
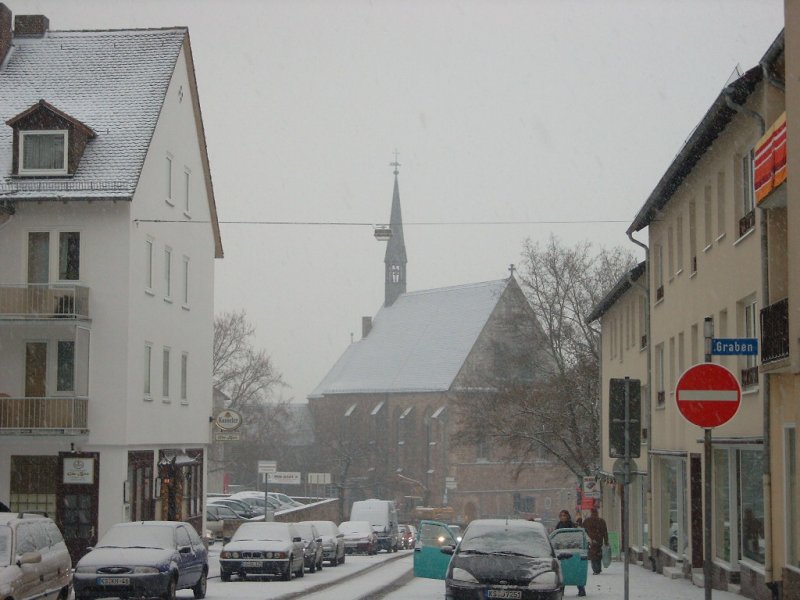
(708, 395)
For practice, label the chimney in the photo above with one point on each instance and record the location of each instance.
(31, 25)
(366, 326)
(5, 31)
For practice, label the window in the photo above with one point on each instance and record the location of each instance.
(65, 372)
(659, 268)
(168, 272)
(681, 354)
(694, 342)
(69, 255)
(186, 180)
(43, 152)
(790, 496)
(39, 257)
(750, 369)
(692, 238)
(165, 373)
(679, 242)
(643, 321)
(186, 281)
(674, 513)
(671, 381)
(148, 264)
(670, 254)
(168, 175)
(148, 355)
(660, 375)
(722, 506)
(720, 204)
(747, 219)
(184, 375)
(707, 216)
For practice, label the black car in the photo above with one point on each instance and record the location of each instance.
(143, 559)
(503, 558)
(312, 542)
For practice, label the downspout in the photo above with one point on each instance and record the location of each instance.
(766, 476)
(649, 396)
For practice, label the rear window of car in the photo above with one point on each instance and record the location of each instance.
(499, 539)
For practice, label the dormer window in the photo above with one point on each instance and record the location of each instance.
(43, 152)
(47, 142)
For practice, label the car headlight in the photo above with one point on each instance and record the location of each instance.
(463, 575)
(145, 570)
(544, 581)
(86, 570)
(228, 554)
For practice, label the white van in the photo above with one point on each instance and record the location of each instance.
(382, 515)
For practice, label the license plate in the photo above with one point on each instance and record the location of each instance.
(113, 581)
(251, 563)
(504, 594)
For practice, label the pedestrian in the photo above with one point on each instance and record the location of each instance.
(565, 522)
(579, 520)
(597, 531)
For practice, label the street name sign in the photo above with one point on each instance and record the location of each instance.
(284, 478)
(267, 466)
(708, 395)
(740, 346)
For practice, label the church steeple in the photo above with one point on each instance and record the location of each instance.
(395, 259)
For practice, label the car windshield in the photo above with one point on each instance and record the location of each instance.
(5, 545)
(138, 536)
(305, 531)
(497, 539)
(275, 532)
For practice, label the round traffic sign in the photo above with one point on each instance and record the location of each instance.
(708, 395)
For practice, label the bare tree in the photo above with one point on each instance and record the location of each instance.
(248, 379)
(556, 411)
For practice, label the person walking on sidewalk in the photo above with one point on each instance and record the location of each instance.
(597, 531)
(565, 522)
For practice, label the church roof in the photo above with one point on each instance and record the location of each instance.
(418, 344)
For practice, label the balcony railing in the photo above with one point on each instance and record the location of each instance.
(43, 301)
(747, 222)
(44, 416)
(775, 331)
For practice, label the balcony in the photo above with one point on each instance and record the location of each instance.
(775, 331)
(44, 416)
(43, 301)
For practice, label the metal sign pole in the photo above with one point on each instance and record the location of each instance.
(708, 333)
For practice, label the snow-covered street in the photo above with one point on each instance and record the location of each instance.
(378, 572)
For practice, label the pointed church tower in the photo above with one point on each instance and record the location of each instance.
(395, 259)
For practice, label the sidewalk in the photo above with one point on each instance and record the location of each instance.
(643, 584)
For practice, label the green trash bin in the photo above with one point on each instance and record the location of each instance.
(571, 547)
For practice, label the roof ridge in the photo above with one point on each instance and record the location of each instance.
(455, 287)
(117, 30)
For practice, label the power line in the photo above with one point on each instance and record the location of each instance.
(405, 223)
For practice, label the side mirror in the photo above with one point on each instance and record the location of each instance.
(447, 550)
(297, 539)
(319, 540)
(185, 549)
(30, 558)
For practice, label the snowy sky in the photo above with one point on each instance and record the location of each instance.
(527, 112)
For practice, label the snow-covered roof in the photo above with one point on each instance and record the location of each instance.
(112, 81)
(418, 344)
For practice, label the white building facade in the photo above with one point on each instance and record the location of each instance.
(108, 235)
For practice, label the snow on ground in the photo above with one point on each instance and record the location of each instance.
(609, 585)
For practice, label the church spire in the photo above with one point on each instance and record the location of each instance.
(395, 259)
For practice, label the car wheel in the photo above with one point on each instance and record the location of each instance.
(199, 588)
(171, 587)
(223, 576)
(287, 574)
(63, 594)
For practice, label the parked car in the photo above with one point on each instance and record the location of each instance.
(240, 507)
(359, 537)
(382, 515)
(263, 548)
(34, 560)
(429, 561)
(286, 500)
(332, 541)
(407, 536)
(456, 531)
(216, 515)
(143, 559)
(514, 551)
(312, 544)
(257, 499)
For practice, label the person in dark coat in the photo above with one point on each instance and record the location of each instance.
(565, 522)
(597, 531)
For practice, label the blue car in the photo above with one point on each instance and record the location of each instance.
(143, 559)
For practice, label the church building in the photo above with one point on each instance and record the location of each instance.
(388, 417)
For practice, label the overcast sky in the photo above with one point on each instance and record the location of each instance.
(528, 112)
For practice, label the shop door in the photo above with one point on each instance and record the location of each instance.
(76, 512)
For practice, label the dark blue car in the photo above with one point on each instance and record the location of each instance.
(143, 559)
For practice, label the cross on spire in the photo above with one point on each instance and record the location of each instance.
(511, 269)
(395, 164)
